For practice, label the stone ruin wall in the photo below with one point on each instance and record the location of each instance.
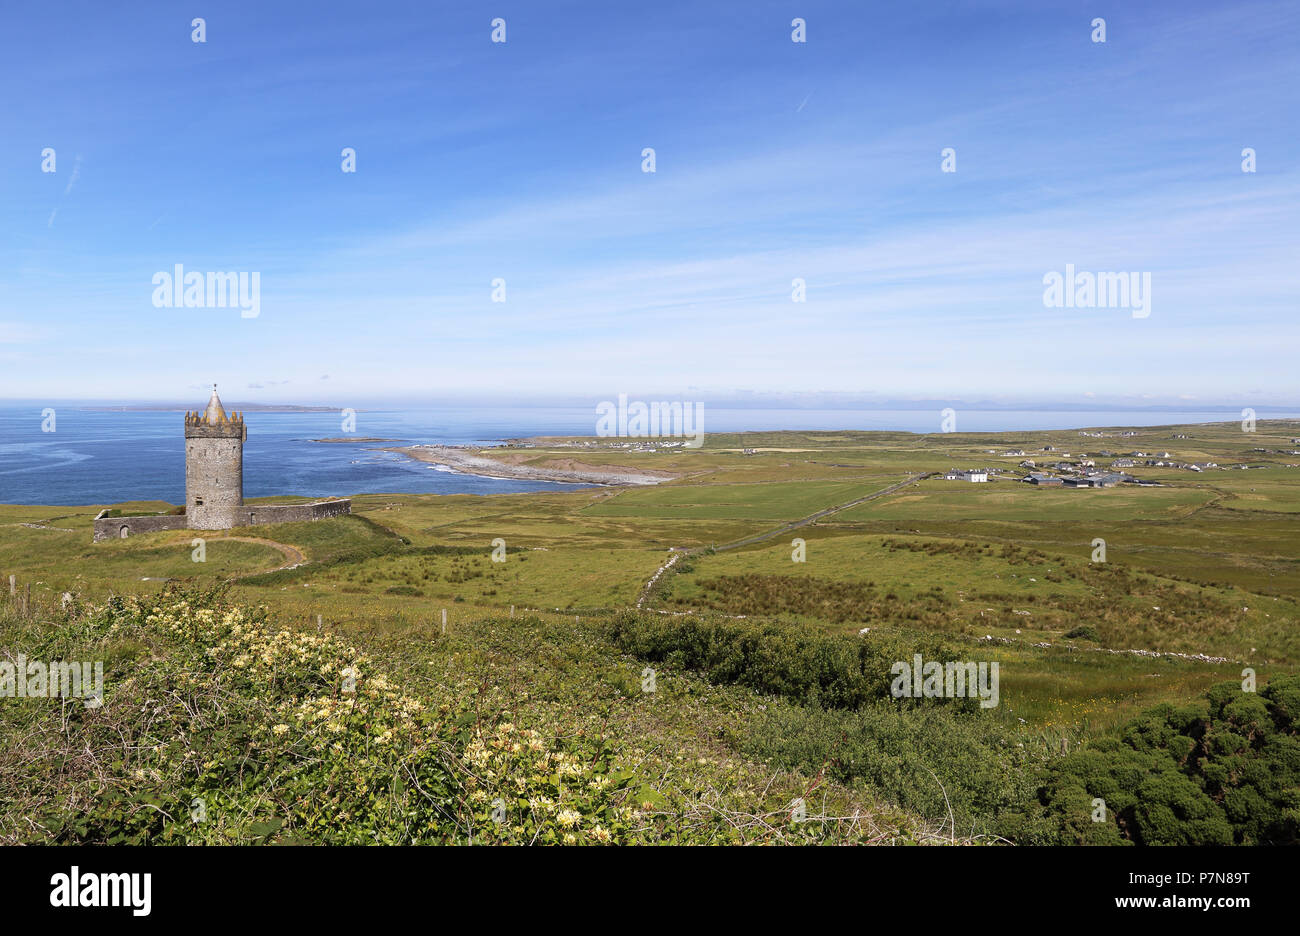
(107, 528)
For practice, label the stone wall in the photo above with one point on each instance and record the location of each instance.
(107, 528)
(251, 514)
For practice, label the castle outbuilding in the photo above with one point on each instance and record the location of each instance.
(214, 484)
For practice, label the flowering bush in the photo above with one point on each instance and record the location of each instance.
(238, 731)
(220, 726)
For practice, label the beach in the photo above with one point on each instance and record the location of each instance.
(530, 466)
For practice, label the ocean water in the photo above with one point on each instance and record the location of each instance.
(103, 457)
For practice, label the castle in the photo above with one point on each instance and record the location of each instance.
(214, 484)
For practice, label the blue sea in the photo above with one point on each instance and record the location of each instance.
(95, 456)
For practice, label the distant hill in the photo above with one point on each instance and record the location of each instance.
(241, 407)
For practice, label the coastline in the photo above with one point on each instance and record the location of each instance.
(470, 460)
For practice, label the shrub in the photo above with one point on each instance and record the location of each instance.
(267, 734)
(946, 766)
(1226, 771)
(830, 670)
(1082, 632)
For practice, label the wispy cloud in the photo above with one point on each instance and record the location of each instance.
(72, 179)
(1115, 157)
(21, 333)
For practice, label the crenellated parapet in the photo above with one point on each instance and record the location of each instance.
(194, 418)
(215, 423)
(199, 426)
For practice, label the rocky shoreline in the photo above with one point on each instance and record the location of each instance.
(510, 466)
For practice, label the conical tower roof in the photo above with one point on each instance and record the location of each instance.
(215, 414)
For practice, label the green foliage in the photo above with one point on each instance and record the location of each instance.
(218, 726)
(837, 602)
(773, 657)
(385, 548)
(963, 768)
(232, 730)
(1224, 772)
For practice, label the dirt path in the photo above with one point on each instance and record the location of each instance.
(293, 554)
(813, 518)
(770, 534)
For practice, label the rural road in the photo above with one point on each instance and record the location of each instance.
(771, 534)
(813, 518)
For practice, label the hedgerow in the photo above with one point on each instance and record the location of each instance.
(828, 670)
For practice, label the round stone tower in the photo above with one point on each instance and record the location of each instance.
(214, 467)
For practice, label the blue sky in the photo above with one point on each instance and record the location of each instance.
(775, 160)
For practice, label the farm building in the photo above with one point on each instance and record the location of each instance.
(1043, 480)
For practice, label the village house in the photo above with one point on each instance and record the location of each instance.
(973, 474)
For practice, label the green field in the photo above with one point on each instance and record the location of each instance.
(769, 501)
(1199, 581)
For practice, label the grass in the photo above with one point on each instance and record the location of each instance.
(769, 501)
(1204, 566)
